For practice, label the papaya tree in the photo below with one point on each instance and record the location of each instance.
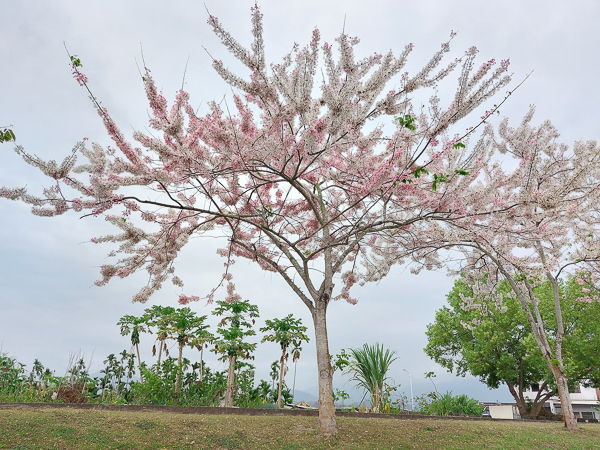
(233, 330)
(185, 325)
(285, 332)
(296, 350)
(134, 326)
(160, 317)
(200, 340)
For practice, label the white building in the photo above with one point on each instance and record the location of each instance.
(585, 401)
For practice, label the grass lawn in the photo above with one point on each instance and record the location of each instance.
(26, 428)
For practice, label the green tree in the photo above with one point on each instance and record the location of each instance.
(286, 332)
(160, 318)
(369, 366)
(233, 329)
(37, 371)
(581, 321)
(200, 341)
(263, 390)
(274, 374)
(296, 350)
(113, 376)
(186, 326)
(501, 349)
(134, 326)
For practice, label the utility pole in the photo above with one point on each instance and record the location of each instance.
(412, 402)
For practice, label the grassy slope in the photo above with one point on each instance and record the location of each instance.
(76, 429)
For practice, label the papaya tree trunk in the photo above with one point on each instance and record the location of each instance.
(178, 378)
(160, 348)
(201, 363)
(230, 382)
(294, 385)
(281, 370)
(137, 349)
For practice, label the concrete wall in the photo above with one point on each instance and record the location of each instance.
(502, 412)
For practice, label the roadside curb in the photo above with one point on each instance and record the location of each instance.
(235, 411)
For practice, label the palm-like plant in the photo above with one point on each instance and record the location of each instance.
(37, 371)
(274, 374)
(111, 372)
(296, 349)
(185, 326)
(285, 332)
(263, 390)
(234, 328)
(134, 326)
(200, 341)
(369, 366)
(161, 318)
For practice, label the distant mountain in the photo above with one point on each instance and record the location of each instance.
(303, 396)
(313, 393)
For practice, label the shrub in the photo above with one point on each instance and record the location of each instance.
(444, 405)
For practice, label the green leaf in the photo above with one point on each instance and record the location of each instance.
(7, 135)
(417, 173)
(75, 61)
(461, 172)
(407, 121)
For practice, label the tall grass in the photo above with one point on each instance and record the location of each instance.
(369, 366)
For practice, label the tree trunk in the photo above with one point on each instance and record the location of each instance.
(536, 407)
(558, 366)
(201, 362)
(294, 386)
(230, 382)
(537, 404)
(160, 348)
(281, 369)
(565, 400)
(137, 349)
(327, 421)
(178, 378)
(518, 396)
(537, 325)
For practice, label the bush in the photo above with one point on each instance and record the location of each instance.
(445, 405)
(268, 406)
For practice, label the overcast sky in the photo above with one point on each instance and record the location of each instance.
(48, 304)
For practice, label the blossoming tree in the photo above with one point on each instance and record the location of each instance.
(534, 223)
(310, 176)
